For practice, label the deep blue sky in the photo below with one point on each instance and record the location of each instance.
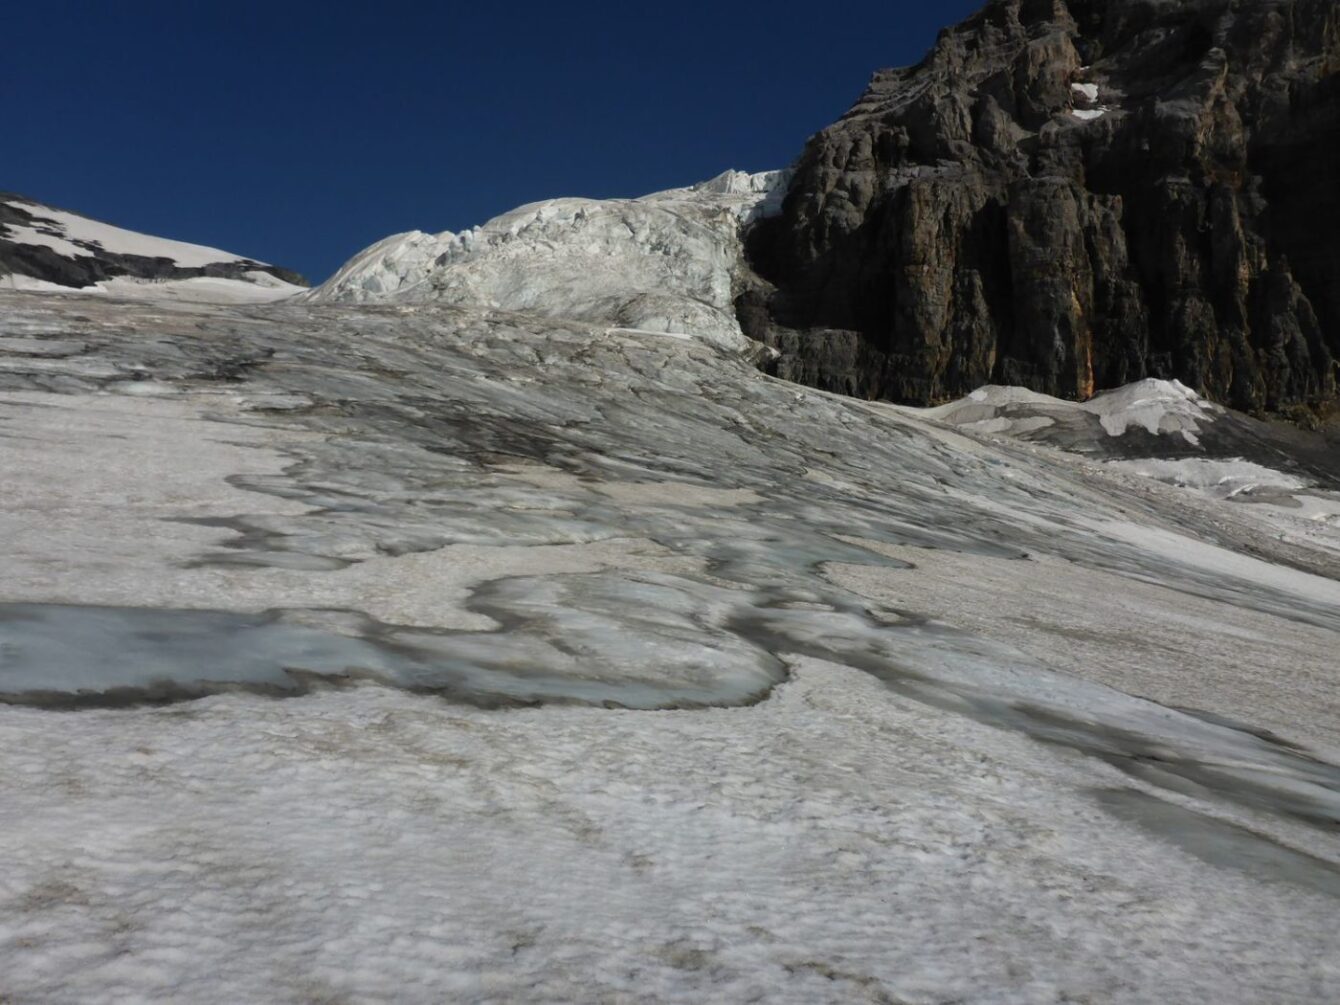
(299, 133)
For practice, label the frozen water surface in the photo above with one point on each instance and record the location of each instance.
(624, 642)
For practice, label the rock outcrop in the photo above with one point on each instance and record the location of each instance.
(1071, 195)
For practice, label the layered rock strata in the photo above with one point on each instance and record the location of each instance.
(1071, 195)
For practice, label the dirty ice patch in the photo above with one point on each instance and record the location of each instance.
(981, 409)
(1159, 407)
(255, 287)
(1290, 508)
(1230, 572)
(1224, 479)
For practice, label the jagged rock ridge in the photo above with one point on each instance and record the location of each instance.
(1071, 196)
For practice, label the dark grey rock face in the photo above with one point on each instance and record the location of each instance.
(983, 217)
(39, 262)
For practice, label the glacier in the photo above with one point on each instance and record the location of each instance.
(667, 262)
(421, 650)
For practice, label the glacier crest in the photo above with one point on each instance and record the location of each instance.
(663, 263)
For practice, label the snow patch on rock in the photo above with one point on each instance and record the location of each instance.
(75, 236)
(1158, 406)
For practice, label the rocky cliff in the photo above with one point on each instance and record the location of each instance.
(1072, 195)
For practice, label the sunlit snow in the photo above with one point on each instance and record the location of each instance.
(257, 287)
(1089, 92)
(665, 262)
(70, 234)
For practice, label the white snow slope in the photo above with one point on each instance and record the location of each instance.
(73, 236)
(419, 653)
(661, 263)
(252, 287)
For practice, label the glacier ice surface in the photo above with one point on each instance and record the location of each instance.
(665, 262)
(948, 710)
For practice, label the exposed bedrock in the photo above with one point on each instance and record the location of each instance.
(1072, 195)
